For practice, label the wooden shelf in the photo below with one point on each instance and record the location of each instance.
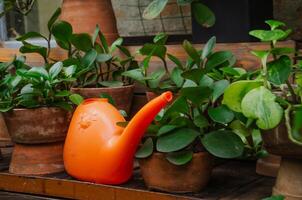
(230, 180)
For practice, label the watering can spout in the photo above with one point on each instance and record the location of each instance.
(97, 149)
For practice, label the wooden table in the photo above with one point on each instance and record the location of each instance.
(230, 180)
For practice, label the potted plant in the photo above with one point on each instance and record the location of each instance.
(36, 107)
(97, 65)
(272, 102)
(175, 154)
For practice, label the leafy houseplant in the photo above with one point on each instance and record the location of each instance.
(272, 102)
(97, 66)
(194, 124)
(23, 6)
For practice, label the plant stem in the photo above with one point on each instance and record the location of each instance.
(108, 71)
(166, 66)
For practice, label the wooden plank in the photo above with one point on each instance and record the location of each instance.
(18, 196)
(229, 180)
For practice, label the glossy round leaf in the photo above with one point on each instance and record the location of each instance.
(223, 144)
(221, 114)
(176, 140)
(180, 158)
(203, 15)
(145, 150)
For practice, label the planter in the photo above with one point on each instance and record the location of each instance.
(289, 179)
(121, 95)
(39, 136)
(37, 126)
(268, 166)
(159, 174)
(234, 20)
(5, 140)
(85, 15)
(39, 159)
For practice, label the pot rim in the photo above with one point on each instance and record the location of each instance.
(39, 108)
(197, 154)
(104, 88)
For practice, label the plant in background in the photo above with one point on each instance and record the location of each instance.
(23, 6)
(271, 97)
(96, 64)
(203, 15)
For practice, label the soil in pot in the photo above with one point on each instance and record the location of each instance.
(85, 15)
(159, 174)
(38, 159)
(122, 96)
(268, 166)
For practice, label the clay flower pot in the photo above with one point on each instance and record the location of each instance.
(159, 174)
(289, 179)
(5, 140)
(268, 166)
(39, 136)
(37, 126)
(121, 95)
(85, 15)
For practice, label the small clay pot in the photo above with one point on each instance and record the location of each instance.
(121, 95)
(37, 126)
(37, 159)
(289, 180)
(268, 166)
(276, 142)
(159, 174)
(85, 15)
(5, 140)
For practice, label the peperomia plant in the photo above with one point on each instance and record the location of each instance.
(197, 120)
(203, 14)
(96, 64)
(271, 97)
(31, 87)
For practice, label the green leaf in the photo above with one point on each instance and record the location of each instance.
(282, 51)
(95, 34)
(176, 140)
(178, 106)
(30, 35)
(219, 88)
(175, 60)
(154, 50)
(135, 74)
(223, 144)
(82, 41)
(37, 72)
(221, 114)
(268, 36)
(69, 71)
(191, 51)
(112, 84)
(160, 38)
(279, 70)
(180, 158)
(116, 43)
(76, 99)
(277, 197)
(203, 15)
(145, 150)
(103, 57)
(274, 24)
(89, 58)
(196, 95)
(30, 48)
(218, 58)
(156, 77)
(53, 18)
(194, 74)
(206, 81)
(208, 48)
(166, 129)
(55, 69)
(124, 50)
(260, 104)
(184, 2)
(201, 121)
(104, 42)
(176, 77)
(62, 31)
(154, 9)
(63, 93)
(234, 94)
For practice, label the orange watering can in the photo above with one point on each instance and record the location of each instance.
(97, 149)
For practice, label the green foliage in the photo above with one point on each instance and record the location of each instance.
(203, 14)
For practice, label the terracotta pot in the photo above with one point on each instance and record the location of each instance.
(39, 125)
(5, 140)
(268, 166)
(289, 180)
(85, 15)
(121, 95)
(159, 174)
(276, 142)
(37, 159)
